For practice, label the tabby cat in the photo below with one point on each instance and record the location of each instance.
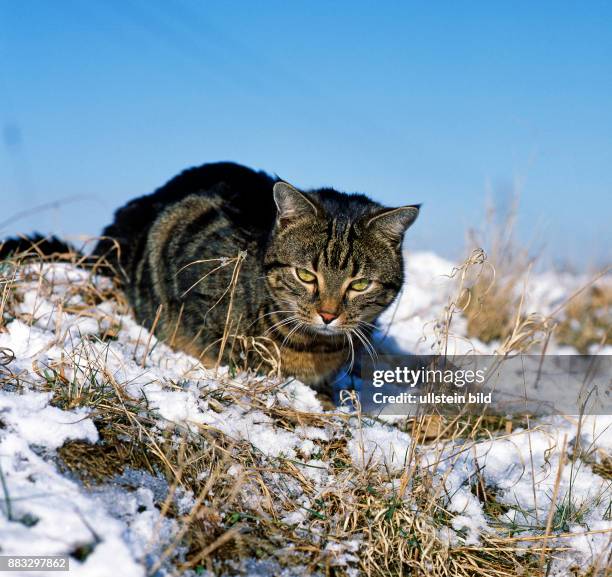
(222, 252)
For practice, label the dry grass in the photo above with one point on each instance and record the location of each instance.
(490, 299)
(588, 319)
(492, 289)
(399, 530)
(241, 496)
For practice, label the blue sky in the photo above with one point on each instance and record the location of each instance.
(442, 103)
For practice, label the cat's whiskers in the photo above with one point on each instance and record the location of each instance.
(366, 335)
(370, 344)
(260, 317)
(365, 342)
(367, 324)
(281, 323)
(351, 352)
(298, 326)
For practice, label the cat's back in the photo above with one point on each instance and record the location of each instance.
(245, 195)
(246, 192)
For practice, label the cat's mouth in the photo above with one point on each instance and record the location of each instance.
(326, 329)
(329, 327)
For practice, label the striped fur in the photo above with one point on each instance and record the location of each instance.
(177, 254)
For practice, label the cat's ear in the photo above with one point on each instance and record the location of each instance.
(291, 203)
(394, 222)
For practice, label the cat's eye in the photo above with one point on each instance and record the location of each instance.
(359, 284)
(305, 275)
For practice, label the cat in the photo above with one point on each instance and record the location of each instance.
(222, 252)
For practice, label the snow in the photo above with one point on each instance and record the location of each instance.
(256, 428)
(469, 516)
(25, 342)
(26, 413)
(374, 445)
(53, 513)
(62, 515)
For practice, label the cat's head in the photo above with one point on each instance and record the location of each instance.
(334, 261)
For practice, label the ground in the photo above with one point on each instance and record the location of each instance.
(135, 460)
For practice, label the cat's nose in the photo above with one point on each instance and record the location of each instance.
(327, 317)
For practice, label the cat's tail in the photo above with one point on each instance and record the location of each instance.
(50, 248)
(36, 245)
